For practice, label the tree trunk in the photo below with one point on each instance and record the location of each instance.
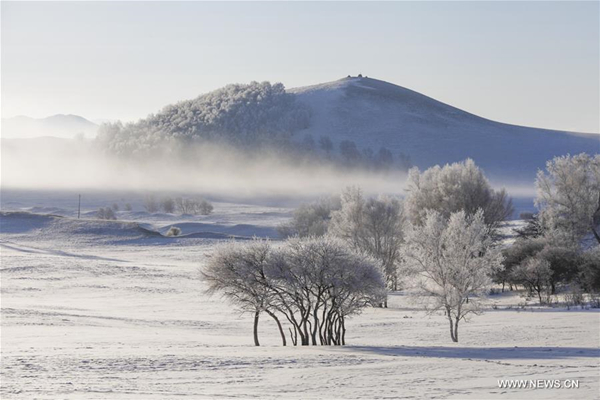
(279, 326)
(294, 335)
(456, 330)
(256, 314)
(451, 324)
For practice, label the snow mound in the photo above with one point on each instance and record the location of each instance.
(42, 227)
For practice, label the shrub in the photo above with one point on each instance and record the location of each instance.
(168, 205)
(106, 213)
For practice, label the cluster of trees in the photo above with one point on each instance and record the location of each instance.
(549, 255)
(350, 156)
(180, 204)
(444, 233)
(311, 284)
(243, 114)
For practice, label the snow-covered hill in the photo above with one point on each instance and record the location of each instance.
(59, 125)
(375, 113)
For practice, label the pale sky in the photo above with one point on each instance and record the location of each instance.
(526, 63)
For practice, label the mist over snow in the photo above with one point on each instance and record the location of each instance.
(259, 140)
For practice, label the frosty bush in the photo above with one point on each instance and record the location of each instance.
(453, 258)
(174, 231)
(313, 284)
(106, 213)
(455, 187)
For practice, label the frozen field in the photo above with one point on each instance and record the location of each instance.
(101, 310)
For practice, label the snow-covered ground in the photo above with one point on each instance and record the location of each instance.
(99, 310)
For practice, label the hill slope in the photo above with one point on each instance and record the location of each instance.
(375, 113)
(60, 125)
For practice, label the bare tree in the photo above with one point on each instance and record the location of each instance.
(454, 259)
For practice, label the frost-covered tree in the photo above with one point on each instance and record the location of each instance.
(315, 284)
(452, 188)
(568, 195)
(128, 207)
(453, 258)
(372, 226)
(237, 272)
(319, 283)
(311, 219)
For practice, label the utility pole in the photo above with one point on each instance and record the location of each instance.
(79, 208)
